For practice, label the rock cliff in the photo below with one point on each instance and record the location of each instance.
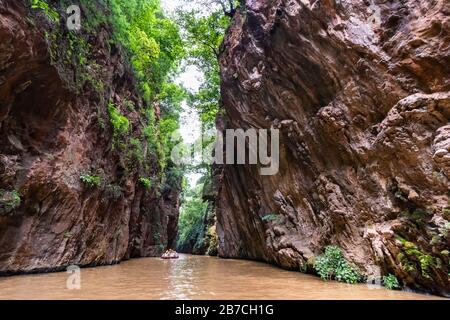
(69, 190)
(360, 91)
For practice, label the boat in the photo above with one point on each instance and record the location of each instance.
(170, 254)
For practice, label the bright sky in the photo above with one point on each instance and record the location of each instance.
(170, 5)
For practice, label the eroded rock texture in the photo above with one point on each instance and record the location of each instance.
(55, 127)
(363, 105)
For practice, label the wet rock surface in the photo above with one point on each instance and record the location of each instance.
(54, 128)
(362, 102)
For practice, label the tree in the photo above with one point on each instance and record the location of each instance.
(155, 48)
(203, 34)
(229, 7)
(152, 40)
(192, 215)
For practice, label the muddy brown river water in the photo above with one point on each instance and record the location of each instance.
(190, 277)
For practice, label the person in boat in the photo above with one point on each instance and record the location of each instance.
(170, 254)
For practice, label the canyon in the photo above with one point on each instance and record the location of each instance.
(360, 91)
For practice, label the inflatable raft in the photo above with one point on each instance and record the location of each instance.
(170, 254)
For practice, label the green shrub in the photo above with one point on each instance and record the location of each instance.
(51, 13)
(146, 182)
(192, 216)
(9, 200)
(150, 130)
(333, 266)
(90, 180)
(426, 262)
(391, 282)
(135, 152)
(120, 123)
(152, 41)
(446, 211)
(129, 105)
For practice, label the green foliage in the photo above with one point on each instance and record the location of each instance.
(152, 41)
(150, 131)
(152, 44)
(129, 105)
(170, 98)
(155, 48)
(272, 217)
(135, 154)
(160, 135)
(72, 49)
(192, 216)
(91, 181)
(204, 33)
(446, 211)
(93, 14)
(119, 123)
(332, 265)
(167, 126)
(413, 255)
(51, 13)
(146, 182)
(391, 282)
(9, 200)
(419, 214)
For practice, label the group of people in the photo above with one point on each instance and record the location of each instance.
(170, 254)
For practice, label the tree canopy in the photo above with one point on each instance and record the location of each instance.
(204, 30)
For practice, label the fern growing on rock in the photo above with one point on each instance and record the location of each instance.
(333, 266)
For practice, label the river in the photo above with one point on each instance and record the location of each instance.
(190, 277)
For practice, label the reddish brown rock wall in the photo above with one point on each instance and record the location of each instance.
(55, 127)
(364, 114)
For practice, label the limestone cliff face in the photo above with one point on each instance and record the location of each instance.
(363, 104)
(54, 128)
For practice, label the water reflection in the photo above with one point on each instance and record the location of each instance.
(190, 277)
(180, 277)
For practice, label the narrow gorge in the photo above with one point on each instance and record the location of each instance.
(358, 89)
